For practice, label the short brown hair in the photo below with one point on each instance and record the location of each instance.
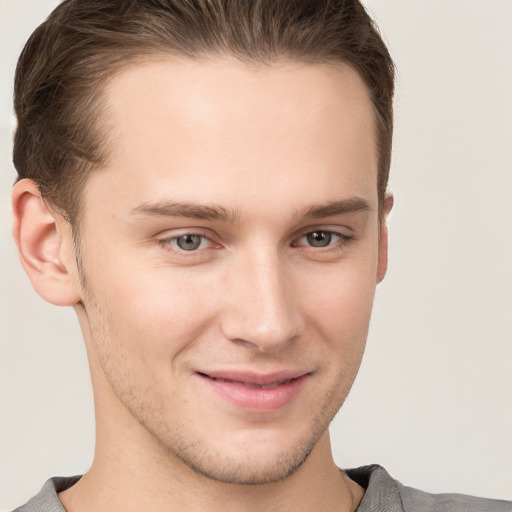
(60, 137)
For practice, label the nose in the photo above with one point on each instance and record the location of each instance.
(261, 310)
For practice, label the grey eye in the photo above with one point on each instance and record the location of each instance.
(189, 242)
(319, 238)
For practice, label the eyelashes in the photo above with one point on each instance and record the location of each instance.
(190, 242)
(193, 244)
(322, 238)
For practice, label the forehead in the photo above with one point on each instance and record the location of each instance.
(187, 125)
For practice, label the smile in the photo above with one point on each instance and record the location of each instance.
(253, 385)
(257, 393)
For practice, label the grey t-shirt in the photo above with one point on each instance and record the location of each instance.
(383, 494)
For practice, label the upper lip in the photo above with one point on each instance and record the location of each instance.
(254, 378)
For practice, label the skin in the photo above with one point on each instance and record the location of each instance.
(245, 158)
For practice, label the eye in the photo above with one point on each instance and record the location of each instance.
(188, 242)
(319, 238)
(322, 238)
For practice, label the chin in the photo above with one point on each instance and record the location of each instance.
(248, 457)
(245, 452)
(247, 468)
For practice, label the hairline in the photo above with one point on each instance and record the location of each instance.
(147, 55)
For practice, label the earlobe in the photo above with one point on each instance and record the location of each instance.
(45, 246)
(382, 264)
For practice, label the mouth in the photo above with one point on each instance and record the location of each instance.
(256, 392)
(253, 385)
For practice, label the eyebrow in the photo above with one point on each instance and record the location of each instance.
(219, 213)
(350, 205)
(188, 210)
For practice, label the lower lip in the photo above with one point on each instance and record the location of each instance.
(257, 399)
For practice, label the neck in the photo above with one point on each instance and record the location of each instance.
(126, 478)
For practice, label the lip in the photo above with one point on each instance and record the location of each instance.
(256, 392)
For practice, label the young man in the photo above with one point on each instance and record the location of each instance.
(205, 183)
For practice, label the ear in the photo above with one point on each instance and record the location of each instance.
(382, 264)
(45, 246)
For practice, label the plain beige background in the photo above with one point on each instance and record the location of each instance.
(433, 401)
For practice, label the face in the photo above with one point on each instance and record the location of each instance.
(230, 254)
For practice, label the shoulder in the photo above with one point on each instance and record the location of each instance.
(47, 499)
(385, 493)
(416, 500)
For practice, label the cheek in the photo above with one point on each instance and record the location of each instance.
(158, 313)
(344, 323)
(341, 299)
(339, 313)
